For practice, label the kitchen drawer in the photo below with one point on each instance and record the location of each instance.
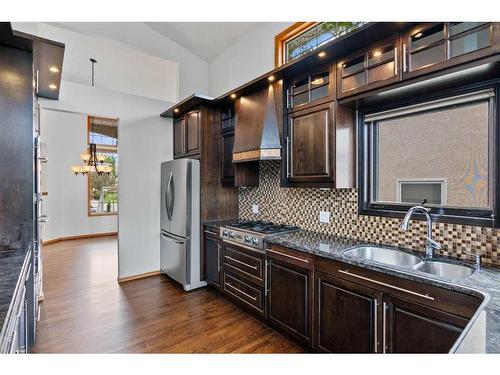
(244, 292)
(248, 263)
(295, 257)
(457, 303)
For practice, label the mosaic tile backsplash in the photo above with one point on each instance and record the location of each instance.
(299, 206)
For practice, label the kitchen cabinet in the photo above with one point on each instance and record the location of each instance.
(366, 311)
(226, 144)
(309, 145)
(290, 293)
(415, 328)
(433, 46)
(311, 89)
(319, 147)
(375, 66)
(187, 135)
(213, 261)
(347, 316)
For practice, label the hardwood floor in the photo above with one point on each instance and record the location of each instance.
(86, 311)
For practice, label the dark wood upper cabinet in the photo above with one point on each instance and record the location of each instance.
(179, 139)
(347, 316)
(429, 47)
(187, 135)
(311, 89)
(319, 147)
(414, 328)
(226, 144)
(375, 66)
(290, 294)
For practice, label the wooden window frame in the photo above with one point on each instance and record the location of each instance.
(102, 148)
(287, 34)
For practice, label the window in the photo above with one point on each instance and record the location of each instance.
(303, 37)
(421, 192)
(103, 189)
(440, 152)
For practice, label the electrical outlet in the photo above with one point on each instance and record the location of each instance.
(324, 216)
(255, 208)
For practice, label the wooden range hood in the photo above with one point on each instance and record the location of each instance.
(256, 133)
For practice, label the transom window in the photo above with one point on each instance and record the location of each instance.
(438, 153)
(303, 37)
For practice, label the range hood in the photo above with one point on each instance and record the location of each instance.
(257, 135)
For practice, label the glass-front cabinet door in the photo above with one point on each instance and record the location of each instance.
(373, 67)
(433, 46)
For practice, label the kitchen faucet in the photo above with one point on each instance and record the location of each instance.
(431, 245)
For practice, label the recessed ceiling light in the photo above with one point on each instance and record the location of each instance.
(418, 35)
(271, 78)
(52, 86)
(176, 110)
(54, 69)
(377, 53)
(233, 96)
(322, 54)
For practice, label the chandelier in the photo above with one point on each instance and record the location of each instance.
(92, 162)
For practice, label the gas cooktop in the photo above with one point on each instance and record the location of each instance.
(252, 233)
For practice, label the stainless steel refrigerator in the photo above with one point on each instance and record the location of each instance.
(180, 222)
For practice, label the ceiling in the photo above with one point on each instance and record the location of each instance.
(204, 39)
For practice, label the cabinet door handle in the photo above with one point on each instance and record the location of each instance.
(218, 258)
(375, 325)
(288, 156)
(240, 262)
(384, 328)
(242, 292)
(266, 287)
(426, 296)
(395, 61)
(404, 57)
(288, 256)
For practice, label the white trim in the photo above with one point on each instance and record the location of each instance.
(442, 181)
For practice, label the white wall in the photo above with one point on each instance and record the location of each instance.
(63, 139)
(248, 58)
(145, 140)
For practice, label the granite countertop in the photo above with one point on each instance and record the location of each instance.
(11, 265)
(216, 224)
(481, 335)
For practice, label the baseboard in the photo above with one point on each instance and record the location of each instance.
(139, 276)
(79, 237)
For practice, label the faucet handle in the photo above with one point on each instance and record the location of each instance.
(434, 244)
(477, 258)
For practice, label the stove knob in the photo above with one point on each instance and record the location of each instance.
(247, 239)
(254, 241)
(230, 234)
(225, 233)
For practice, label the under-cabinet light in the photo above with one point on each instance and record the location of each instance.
(322, 54)
(54, 69)
(52, 86)
(271, 78)
(233, 96)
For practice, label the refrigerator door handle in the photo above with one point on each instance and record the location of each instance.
(167, 197)
(171, 190)
(169, 238)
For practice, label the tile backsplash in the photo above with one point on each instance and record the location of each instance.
(299, 206)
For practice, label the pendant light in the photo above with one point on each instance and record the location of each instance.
(92, 161)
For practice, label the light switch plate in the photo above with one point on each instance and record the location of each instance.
(255, 208)
(324, 216)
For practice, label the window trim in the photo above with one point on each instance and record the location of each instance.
(465, 216)
(100, 148)
(422, 181)
(287, 34)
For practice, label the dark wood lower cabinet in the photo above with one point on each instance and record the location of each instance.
(414, 328)
(289, 299)
(213, 253)
(347, 316)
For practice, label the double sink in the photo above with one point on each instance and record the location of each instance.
(395, 257)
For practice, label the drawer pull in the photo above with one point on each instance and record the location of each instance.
(426, 296)
(242, 292)
(239, 262)
(288, 256)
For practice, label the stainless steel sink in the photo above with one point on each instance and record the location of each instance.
(384, 255)
(445, 270)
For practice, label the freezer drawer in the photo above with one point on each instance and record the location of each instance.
(174, 258)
